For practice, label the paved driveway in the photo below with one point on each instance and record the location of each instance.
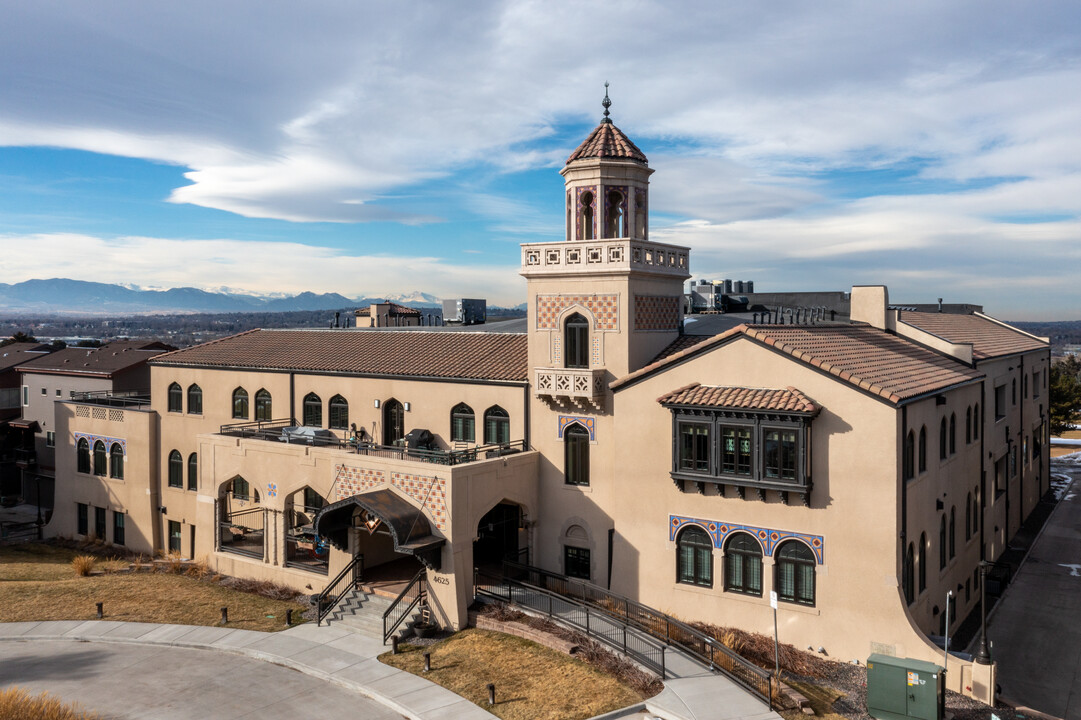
(167, 683)
(1035, 630)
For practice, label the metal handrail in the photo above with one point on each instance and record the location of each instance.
(322, 607)
(577, 615)
(695, 643)
(419, 582)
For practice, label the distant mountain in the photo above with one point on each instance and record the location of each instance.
(79, 297)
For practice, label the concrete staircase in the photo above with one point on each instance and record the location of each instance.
(362, 612)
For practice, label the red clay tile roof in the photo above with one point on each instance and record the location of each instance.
(395, 309)
(106, 360)
(989, 338)
(885, 365)
(740, 398)
(683, 342)
(464, 355)
(608, 141)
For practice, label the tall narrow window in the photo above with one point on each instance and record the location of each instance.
(576, 455)
(313, 410)
(586, 231)
(614, 216)
(794, 573)
(953, 433)
(923, 448)
(694, 445)
(496, 426)
(393, 422)
(576, 342)
(975, 512)
(193, 471)
(968, 425)
(923, 561)
(83, 518)
(463, 424)
(908, 575)
(976, 422)
(953, 532)
(968, 516)
(101, 462)
(82, 456)
(943, 440)
(174, 536)
(779, 453)
(908, 460)
(176, 398)
(338, 408)
(240, 404)
(942, 542)
(116, 462)
(694, 557)
(118, 528)
(195, 400)
(176, 470)
(263, 408)
(240, 488)
(736, 454)
(743, 565)
(99, 523)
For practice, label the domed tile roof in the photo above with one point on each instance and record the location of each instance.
(608, 141)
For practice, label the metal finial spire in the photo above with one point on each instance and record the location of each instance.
(607, 104)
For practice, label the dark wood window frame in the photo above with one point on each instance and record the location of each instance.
(748, 562)
(694, 557)
(795, 558)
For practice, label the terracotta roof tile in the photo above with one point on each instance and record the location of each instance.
(464, 355)
(608, 141)
(741, 398)
(891, 367)
(683, 342)
(989, 338)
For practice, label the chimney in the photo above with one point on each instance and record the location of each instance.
(869, 305)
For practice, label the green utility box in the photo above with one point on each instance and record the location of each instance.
(902, 688)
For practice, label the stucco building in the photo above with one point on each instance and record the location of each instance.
(858, 470)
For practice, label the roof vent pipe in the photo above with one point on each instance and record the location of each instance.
(940, 304)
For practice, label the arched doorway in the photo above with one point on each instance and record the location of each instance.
(393, 422)
(501, 535)
(304, 549)
(241, 518)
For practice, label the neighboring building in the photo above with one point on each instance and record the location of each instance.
(860, 470)
(387, 314)
(14, 435)
(465, 311)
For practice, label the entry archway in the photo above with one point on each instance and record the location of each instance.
(501, 535)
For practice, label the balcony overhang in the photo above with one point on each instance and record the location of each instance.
(410, 530)
(580, 386)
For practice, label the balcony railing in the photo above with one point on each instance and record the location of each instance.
(113, 398)
(574, 384)
(26, 458)
(275, 431)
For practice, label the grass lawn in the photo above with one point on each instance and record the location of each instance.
(1059, 450)
(37, 582)
(532, 682)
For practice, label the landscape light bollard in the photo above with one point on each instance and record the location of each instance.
(224, 616)
(983, 655)
(101, 612)
(427, 662)
(289, 616)
(491, 693)
(394, 645)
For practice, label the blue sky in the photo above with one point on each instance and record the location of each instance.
(386, 147)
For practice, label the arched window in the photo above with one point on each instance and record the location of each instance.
(496, 426)
(240, 488)
(975, 512)
(116, 461)
(393, 422)
(968, 516)
(240, 404)
(614, 217)
(101, 461)
(953, 433)
(193, 471)
(576, 455)
(463, 424)
(923, 448)
(586, 232)
(908, 575)
(976, 422)
(176, 470)
(82, 455)
(953, 532)
(942, 440)
(923, 561)
(942, 542)
(176, 398)
(313, 410)
(338, 408)
(576, 342)
(264, 410)
(195, 400)
(694, 557)
(968, 425)
(909, 456)
(794, 573)
(743, 565)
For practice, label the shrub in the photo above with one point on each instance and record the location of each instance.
(83, 564)
(17, 703)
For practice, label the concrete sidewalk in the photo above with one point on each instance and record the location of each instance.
(335, 655)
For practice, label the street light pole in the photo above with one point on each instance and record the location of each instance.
(983, 654)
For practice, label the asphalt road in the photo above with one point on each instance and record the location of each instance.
(125, 681)
(1035, 630)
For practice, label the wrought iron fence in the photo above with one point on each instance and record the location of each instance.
(243, 532)
(332, 594)
(414, 594)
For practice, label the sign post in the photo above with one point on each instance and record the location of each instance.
(776, 649)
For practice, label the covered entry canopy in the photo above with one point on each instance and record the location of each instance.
(408, 527)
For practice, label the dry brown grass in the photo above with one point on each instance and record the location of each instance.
(532, 682)
(83, 564)
(37, 582)
(758, 649)
(17, 704)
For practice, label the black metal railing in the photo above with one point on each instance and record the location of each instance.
(113, 398)
(239, 533)
(703, 648)
(332, 594)
(414, 594)
(304, 549)
(19, 531)
(594, 622)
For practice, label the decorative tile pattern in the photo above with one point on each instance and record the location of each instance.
(653, 313)
(770, 539)
(272, 489)
(585, 421)
(605, 310)
(430, 491)
(91, 439)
